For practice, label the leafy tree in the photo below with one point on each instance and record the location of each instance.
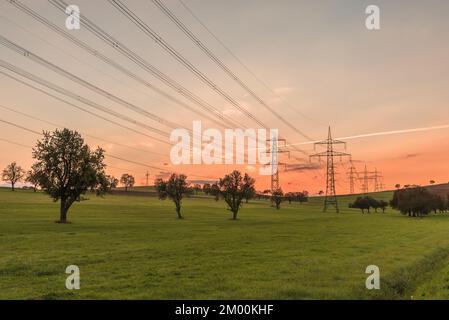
(174, 188)
(250, 194)
(373, 203)
(397, 186)
(414, 201)
(33, 179)
(290, 196)
(362, 203)
(66, 168)
(383, 205)
(13, 174)
(276, 197)
(206, 188)
(127, 180)
(234, 188)
(215, 191)
(113, 182)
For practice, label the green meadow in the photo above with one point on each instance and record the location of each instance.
(133, 247)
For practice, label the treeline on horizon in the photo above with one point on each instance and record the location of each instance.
(66, 168)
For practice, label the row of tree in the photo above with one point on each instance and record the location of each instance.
(414, 201)
(418, 201)
(13, 173)
(233, 188)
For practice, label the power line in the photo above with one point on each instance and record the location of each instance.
(86, 134)
(15, 143)
(104, 58)
(26, 53)
(221, 64)
(230, 52)
(107, 154)
(65, 92)
(145, 65)
(178, 56)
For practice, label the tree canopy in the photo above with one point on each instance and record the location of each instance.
(234, 188)
(66, 168)
(13, 173)
(175, 188)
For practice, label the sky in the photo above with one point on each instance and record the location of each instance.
(317, 56)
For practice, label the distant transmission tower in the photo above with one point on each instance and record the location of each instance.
(274, 163)
(147, 175)
(330, 153)
(367, 175)
(377, 182)
(353, 175)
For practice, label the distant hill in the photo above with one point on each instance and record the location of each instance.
(440, 189)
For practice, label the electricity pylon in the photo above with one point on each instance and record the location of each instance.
(353, 175)
(367, 175)
(274, 163)
(147, 175)
(377, 184)
(330, 153)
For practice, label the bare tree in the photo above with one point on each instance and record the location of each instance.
(13, 174)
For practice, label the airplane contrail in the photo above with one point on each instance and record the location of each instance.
(383, 133)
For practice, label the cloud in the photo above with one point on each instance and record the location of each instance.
(282, 90)
(412, 155)
(304, 167)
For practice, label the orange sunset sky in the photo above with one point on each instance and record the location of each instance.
(323, 66)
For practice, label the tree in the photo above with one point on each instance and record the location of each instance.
(127, 180)
(33, 179)
(276, 197)
(206, 188)
(414, 202)
(432, 181)
(66, 168)
(289, 196)
(362, 203)
(13, 174)
(397, 186)
(215, 191)
(250, 194)
(373, 203)
(175, 189)
(113, 182)
(383, 205)
(234, 188)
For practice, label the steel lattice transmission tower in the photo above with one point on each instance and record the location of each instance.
(367, 175)
(274, 162)
(330, 154)
(377, 181)
(353, 176)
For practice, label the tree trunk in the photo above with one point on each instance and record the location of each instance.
(234, 215)
(63, 211)
(12, 186)
(178, 211)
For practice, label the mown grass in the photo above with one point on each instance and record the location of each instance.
(130, 247)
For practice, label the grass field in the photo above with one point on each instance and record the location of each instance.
(134, 248)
